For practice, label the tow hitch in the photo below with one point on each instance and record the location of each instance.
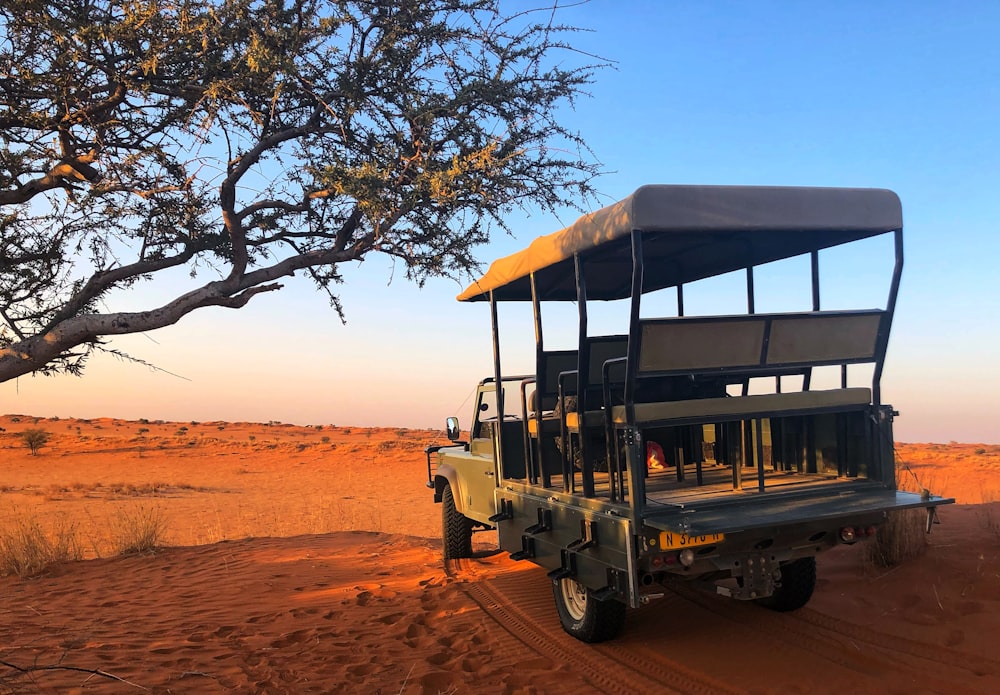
(757, 576)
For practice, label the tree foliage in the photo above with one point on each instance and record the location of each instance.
(252, 139)
(35, 439)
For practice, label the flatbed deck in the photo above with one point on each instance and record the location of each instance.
(664, 487)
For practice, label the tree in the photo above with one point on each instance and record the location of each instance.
(253, 139)
(35, 439)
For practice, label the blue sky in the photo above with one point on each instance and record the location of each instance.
(900, 95)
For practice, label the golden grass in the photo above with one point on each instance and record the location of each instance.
(901, 537)
(26, 550)
(138, 530)
(29, 548)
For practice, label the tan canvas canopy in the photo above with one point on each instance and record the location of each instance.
(688, 233)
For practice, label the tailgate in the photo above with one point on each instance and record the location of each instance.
(763, 511)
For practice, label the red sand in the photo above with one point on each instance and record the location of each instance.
(293, 569)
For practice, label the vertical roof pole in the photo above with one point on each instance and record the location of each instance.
(535, 462)
(814, 262)
(750, 310)
(583, 378)
(680, 299)
(536, 307)
(636, 478)
(890, 309)
(498, 439)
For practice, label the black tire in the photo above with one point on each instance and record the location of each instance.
(456, 529)
(583, 616)
(798, 581)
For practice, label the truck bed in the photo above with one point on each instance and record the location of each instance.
(714, 506)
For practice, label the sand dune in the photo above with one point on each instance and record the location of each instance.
(306, 560)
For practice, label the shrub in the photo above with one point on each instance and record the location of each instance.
(902, 537)
(35, 439)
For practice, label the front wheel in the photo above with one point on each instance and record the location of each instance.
(583, 616)
(456, 528)
(798, 581)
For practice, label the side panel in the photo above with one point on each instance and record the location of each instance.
(593, 547)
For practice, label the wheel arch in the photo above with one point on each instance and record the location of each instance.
(447, 475)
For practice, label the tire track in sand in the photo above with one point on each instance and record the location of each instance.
(522, 604)
(655, 655)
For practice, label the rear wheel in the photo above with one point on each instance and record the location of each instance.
(456, 528)
(798, 581)
(583, 616)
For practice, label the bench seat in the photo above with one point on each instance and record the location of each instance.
(743, 406)
(550, 424)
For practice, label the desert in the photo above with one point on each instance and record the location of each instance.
(299, 559)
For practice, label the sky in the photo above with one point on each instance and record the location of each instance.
(898, 95)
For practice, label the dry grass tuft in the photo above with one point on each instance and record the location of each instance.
(138, 530)
(27, 551)
(902, 537)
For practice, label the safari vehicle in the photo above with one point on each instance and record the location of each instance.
(692, 447)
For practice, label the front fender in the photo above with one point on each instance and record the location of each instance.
(472, 482)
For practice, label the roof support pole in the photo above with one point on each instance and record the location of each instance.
(750, 310)
(536, 461)
(498, 436)
(814, 263)
(890, 309)
(637, 458)
(583, 379)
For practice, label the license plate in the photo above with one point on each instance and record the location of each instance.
(675, 541)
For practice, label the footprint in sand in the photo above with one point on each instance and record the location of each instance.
(361, 670)
(440, 659)
(163, 651)
(366, 597)
(441, 682)
(291, 638)
(416, 635)
(391, 619)
(970, 608)
(474, 663)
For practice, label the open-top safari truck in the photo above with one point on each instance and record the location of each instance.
(692, 447)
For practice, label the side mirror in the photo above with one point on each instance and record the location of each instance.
(452, 428)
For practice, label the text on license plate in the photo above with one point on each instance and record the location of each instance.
(672, 541)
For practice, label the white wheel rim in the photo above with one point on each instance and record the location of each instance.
(574, 598)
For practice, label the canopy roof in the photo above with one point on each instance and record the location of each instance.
(688, 233)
